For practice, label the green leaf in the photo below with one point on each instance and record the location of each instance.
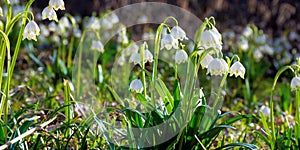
(135, 117)
(25, 126)
(263, 137)
(237, 118)
(234, 145)
(144, 101)
(197, 118)
(265, 124)
(116, 96)
(2, 136)
(163, 92)
(167, 92)
(176, 94)
(104, 132)
(209, 135)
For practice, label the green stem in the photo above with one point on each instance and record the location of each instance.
(297, 119)
(200, 30)
(67, 103)
(4, 99)
(155, 63)
(74, 26)
(11, 65)
(70, 53)
(273, 135)
(79, 65)
(142, 52)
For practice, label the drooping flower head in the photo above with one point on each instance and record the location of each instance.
(133, 48)
(31, 30)
(148, 57)
(97, 45)
(206, 61)
(178, 33)
(1, 12)
(135, 58)
(136, 86)
(93, 23)
(49, 13)
(57, 4)
(113, 18)
(266, 49)
(265, 110)
(211, 38)
(181, 56)
(257, 55)
(217, 67)
(243, 44)
(295, 83)
(121, 60)
(247, 32)
(168, 41)
(64, 21)
(237, 69)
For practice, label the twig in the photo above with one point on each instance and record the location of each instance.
(6, 145)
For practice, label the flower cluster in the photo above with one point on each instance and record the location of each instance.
(170, 40)
(49, 13)
(219, 67)
(211, 38)
(136, 57)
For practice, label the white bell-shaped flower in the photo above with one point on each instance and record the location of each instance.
(133, 48)
(93, 23)
(113, 18)
(1, 12)
(265, 110)
(181, 56)
(257, 55)
(211, 39)
(261, 39)
(206, 61)
(295, 83)
(136, 86)
(31, 30)
(53, 27)
(44, 30)
(266, 49)
(97, 45)
(57, 4)
(77, 33)
(135, 58)
(237, 69)
(49, 13)
(178, 33)
(148, 36)
(106, 23)
(121, 60)
(168, 41)
(243, 45)
(247, 32)
(148, 57)
(217, 67)
(64, 21)
(164, 32)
